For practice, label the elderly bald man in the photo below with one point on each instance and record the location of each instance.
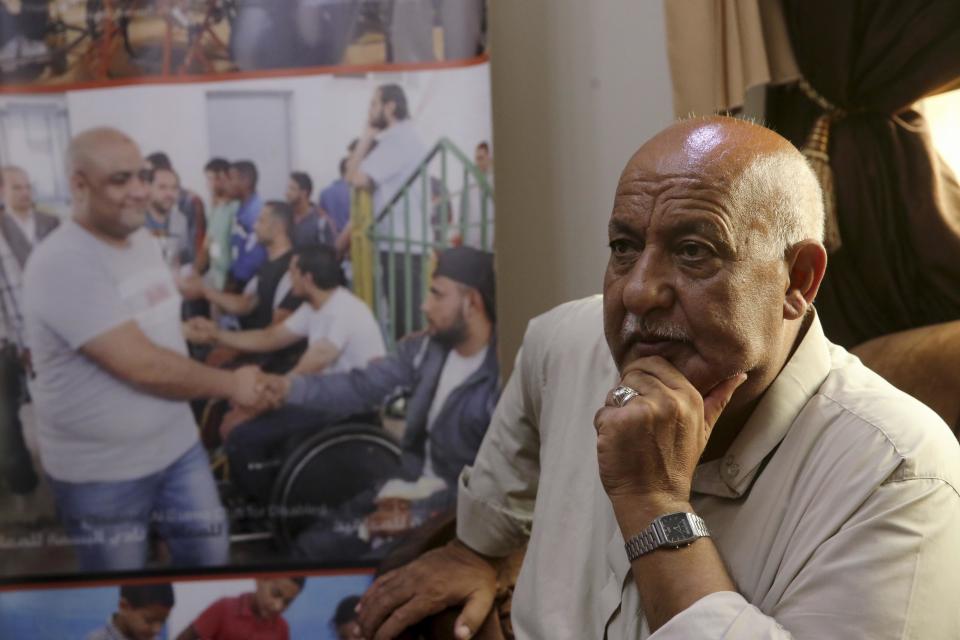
(117, 439)
(743, 478)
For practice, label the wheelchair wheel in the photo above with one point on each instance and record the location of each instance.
(326, 470)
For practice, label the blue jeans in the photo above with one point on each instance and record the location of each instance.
(109, 522)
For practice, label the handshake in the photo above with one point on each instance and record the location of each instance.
(200, 330)
(254, 391)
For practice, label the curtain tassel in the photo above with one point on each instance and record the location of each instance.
(815, 150)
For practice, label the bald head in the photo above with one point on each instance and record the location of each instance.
(715, 253)
(107, 182)
(770, 186)
(89, 149)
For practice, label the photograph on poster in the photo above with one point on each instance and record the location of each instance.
(281, 606)
(65, 42)
(257, 321)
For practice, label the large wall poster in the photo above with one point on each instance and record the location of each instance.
(262, 190)
(317, 606)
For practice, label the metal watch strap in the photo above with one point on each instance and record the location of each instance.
(653, 538)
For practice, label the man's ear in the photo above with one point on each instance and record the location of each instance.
(806, 264)
(472, 301)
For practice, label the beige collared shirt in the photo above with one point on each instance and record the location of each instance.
(835, 510)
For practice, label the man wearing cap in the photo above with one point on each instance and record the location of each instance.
(451, 375)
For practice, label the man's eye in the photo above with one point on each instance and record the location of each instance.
(119, 179)
(620, 248)
(693, 251)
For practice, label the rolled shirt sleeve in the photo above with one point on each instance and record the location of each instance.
(496, 495)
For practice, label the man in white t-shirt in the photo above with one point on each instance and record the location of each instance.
(117, 439)
(340, 329)
(386, 156)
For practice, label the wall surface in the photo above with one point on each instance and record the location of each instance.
(577, 87)
(326, 113)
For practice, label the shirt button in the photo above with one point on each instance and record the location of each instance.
(730, 466)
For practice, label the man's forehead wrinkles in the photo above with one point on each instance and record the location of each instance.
(709, 201)
(713, 177)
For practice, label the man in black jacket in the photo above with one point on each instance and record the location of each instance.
(450, 373)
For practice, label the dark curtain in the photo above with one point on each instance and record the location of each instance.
(898, 206)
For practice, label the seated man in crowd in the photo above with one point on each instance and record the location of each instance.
(340, 329)
(311, 225)
(117, 440)
(267, 292)
(450, 373)
(743, 477)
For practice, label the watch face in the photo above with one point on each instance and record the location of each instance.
(676, 528)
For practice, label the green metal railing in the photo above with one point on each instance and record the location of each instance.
(393, 249)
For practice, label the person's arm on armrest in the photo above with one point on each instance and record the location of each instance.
(449, 576)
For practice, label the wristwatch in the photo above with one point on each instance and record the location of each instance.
(671, 530)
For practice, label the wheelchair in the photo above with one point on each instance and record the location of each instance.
(326, 469)
(313, 474)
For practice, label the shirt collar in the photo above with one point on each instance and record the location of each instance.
(733, 475)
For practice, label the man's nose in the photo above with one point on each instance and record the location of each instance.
(649, 283)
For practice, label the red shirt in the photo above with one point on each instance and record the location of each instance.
(234, 619)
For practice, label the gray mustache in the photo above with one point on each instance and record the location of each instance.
(644, 328)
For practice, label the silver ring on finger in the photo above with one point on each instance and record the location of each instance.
(623, 394)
